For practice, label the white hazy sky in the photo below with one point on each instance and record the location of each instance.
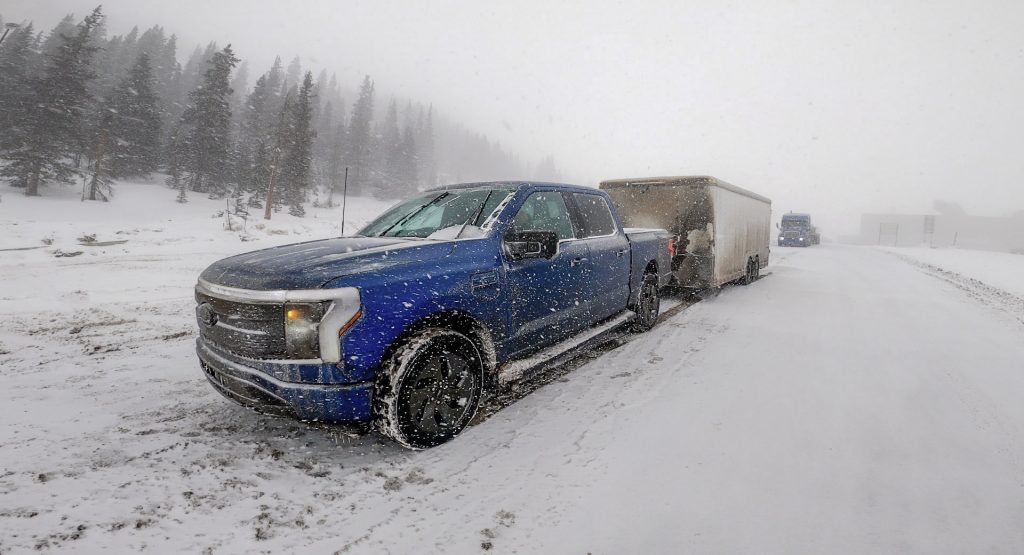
(832, 107)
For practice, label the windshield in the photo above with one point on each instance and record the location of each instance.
(793, 224)
(426, 215)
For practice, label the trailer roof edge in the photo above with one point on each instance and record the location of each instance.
(682, 180)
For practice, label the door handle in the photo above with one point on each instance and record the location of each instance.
(484, 279)
(577, 261)
(621, 253)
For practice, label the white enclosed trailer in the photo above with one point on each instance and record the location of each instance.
(721, 231)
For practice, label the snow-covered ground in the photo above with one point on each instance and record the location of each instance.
(852, 401)
(1001, 270)
(177, 240)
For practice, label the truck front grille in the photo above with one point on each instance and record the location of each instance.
(251, 330)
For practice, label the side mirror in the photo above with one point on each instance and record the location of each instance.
(777, 225)
(531, 244)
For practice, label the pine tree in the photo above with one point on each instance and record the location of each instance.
(546, 169)
(320, 93)
(54, 122)
(360, 141)
(167, 71)
(253, 129)
(426, 160)
(126, 56)
(298, 157)
(208, 118)
(258, 175)
(294, 74)
(239, 87)
(275, 157)
(16, 95)
(190, 77)
(335, 160)
(275, 94)
(134, 126)
(391, 154)
(407, 170)
(152, 43)
(176, 153)
(55, 38)
(251, 138)
(101, 184)
(104, 66)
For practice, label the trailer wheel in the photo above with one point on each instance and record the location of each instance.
(748, 277)
(647, 305)
(757, 268)
(430, 388)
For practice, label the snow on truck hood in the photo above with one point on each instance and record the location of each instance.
(312, 264)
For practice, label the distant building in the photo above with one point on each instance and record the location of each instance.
(948, 226)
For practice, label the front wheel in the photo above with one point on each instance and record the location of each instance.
(647, 305)
(430, 389)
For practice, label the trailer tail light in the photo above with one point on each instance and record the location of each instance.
(672, 247)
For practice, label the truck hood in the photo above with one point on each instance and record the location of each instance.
(311, 265)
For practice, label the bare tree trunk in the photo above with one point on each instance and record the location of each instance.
(94, 184)
(32, 187)
(270, 184)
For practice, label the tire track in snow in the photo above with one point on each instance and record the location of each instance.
(983, 410)
(975, 289)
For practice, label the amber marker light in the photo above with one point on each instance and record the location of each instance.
(351, 321)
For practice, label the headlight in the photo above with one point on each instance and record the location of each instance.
(301, 329)
(314, 329)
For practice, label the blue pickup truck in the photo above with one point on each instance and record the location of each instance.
(408, 322)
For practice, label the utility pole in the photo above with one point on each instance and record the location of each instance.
(344, 202)
(7, 30)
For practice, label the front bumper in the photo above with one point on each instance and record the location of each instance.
(235, 379)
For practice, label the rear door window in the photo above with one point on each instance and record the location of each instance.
(595, 216)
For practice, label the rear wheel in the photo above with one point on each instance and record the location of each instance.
(647, 305)
(748, 276)
(757, 269)
(431, 388)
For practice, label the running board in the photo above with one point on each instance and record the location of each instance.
(518, 369)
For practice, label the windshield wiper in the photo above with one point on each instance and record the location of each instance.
(475, 216)
(406, 218)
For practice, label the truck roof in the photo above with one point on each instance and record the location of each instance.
(513, 185)
(796, 216)
(684, 180)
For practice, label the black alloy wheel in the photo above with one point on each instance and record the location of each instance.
(436, 385)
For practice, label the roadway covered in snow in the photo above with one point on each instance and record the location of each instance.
(852, 401)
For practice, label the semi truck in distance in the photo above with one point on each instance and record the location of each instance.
(721, 232)
(796, 230)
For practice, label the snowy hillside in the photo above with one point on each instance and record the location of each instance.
(148, 232)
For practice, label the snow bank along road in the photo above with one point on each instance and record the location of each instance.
(850, 402)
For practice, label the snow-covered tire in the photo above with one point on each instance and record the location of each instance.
(748, 276)
(755, 274)
(648, 304)
(429, 389)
